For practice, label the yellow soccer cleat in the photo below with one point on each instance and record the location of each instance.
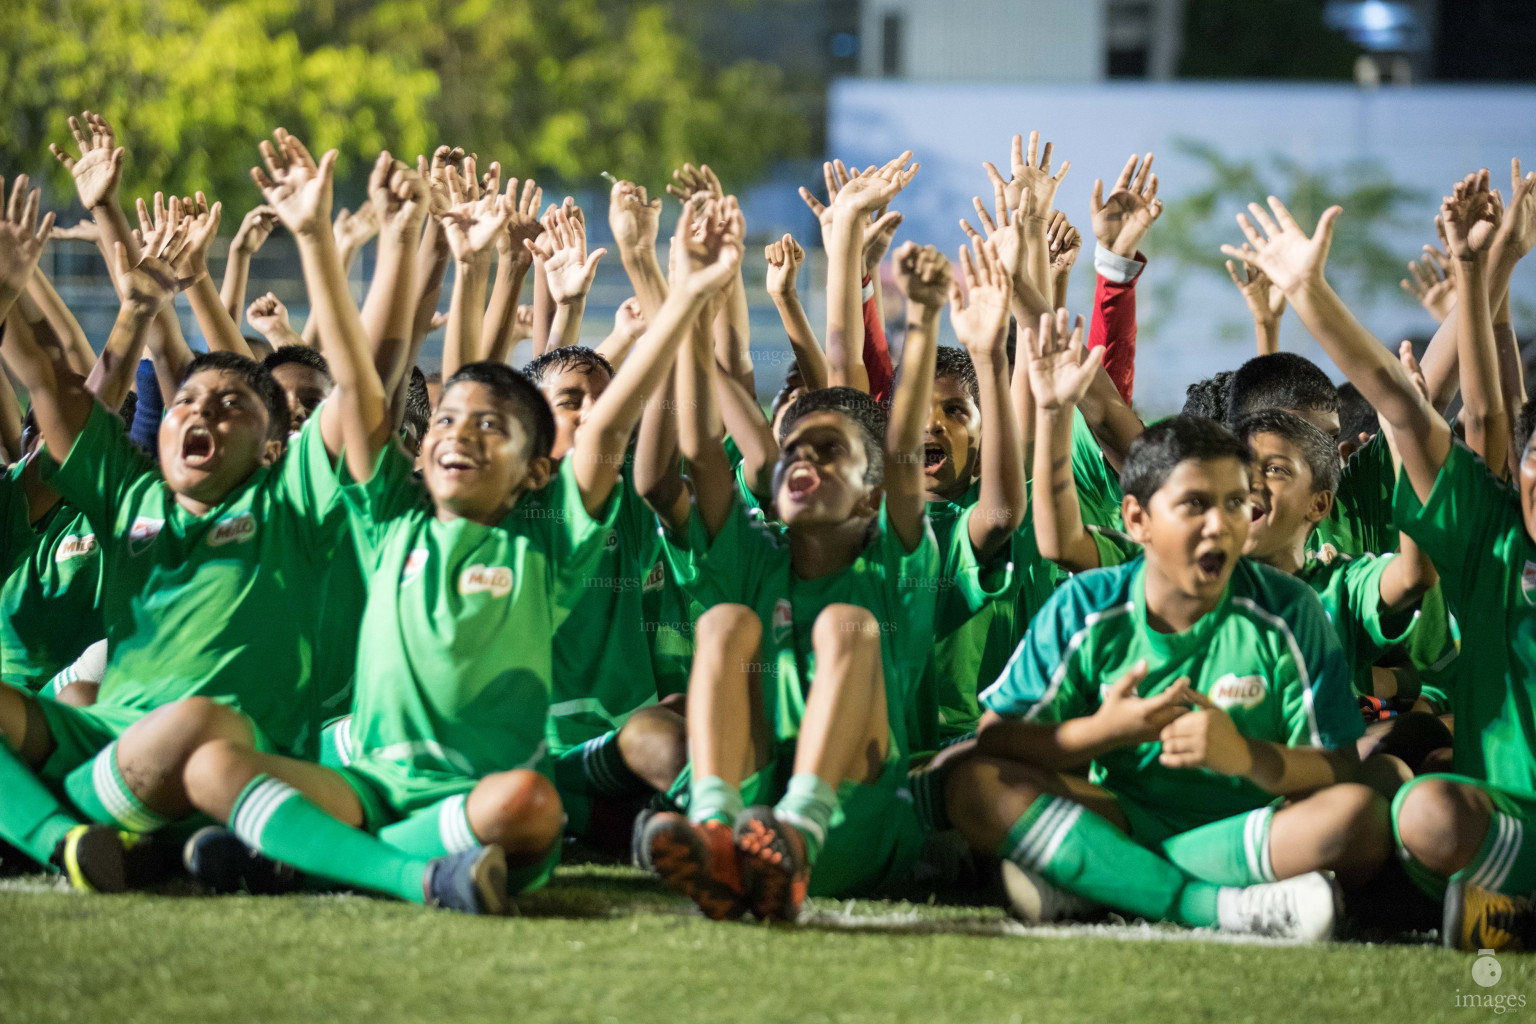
(1477, 919)
(94, 858)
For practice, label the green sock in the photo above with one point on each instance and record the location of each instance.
(31, 818)
(1503, 863)
(98, 788)
(808, 804)
(434, 831)
(1082, 853)
(276, 819)
(1232, 851)
(711, 798)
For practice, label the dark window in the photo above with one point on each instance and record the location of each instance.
(1127, 64)
(890, 46)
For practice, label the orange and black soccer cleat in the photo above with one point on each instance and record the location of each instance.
(699, 861)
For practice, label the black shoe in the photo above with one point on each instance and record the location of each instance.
(94, 858)
(473, 881)
(218, 858)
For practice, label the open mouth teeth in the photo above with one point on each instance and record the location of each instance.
(456, 460)
(197, 445)
(802, 480)
(1212, 562)
(933, 458)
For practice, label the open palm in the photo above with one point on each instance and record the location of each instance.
(1060, 369)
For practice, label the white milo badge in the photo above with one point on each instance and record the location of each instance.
(1231, 691)
(1528, 583)
(493, 579)
(783, 620)
(233, 530)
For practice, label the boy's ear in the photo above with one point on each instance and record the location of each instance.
(1322, 504)
(540, 469)
(272, 450)
(869, 505)
(1135, 519)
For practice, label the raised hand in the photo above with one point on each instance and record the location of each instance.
(1288, 255)
(864, 193)
(1010, 233)
(978, 300)
(1431, 283)
(522, 222)
(100, 165)
(1265, 301)
(568, 266)
(255, 229)
(1471, 215)
(628, 321)
(1031, 175)
(472, 224)
(85, 231)
(1122, 221)
(202, 223)
(1060, 368)
(435, 174)
(522, 323)
(162, 269)
(269, 316)
(399, 198)
(689, 181)
(1517, 231)
(923, 274)
(296, 187)
(633, 217)
(21, 238)
(1065, 243)
(354, 230)
(156, 230)
(709, 243)
(784, 258)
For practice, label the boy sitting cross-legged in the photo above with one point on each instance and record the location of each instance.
(1200, 690)
(468, 579)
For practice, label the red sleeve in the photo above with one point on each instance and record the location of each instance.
(877, 356)
(1114, 328)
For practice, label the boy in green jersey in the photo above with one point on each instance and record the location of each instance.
(197, 557)
(611, 744)
(1460, 834)
(468, 581)
(1200, 690)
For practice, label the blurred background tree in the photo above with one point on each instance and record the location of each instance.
(551, 88)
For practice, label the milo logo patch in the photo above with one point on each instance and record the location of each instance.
(143, 533)
(493, 579)
(233, 530)
(415, 562)
(783, 620)
(1232, 691)
(75, 547)
(655, 579)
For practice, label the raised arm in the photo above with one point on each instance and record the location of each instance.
(712, 256)
(628, 326)
(635, 218)
(1410, 573)
(570, 270)
(1265, 302)
(502, 329)
(269, 317)
(254, 231)
(925, 275)
(299, 190)
(1030, 192)
(784, 259)
(1120, 223)
(981, 324)
(1295, 262)
(71, 335)
(22, 235)
(1471, 216)
(220, 330)
(1060, 371)
(1064, 242)
(472, 224)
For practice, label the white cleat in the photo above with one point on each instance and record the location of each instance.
(1302, 908)
(1034, 900)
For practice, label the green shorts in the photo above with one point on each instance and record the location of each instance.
(1519, 806)
(79, 734)
(336, 742)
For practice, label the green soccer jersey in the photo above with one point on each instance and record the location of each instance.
(971, 620)
(50, 604)
(749, 564)
(1361, 521)
(1472, 528)
(1098, 486)
(454, 662)
(1350, 592)
(602, 661)
(222, 605)
(1265, 655)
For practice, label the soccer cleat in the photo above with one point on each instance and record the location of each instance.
(1477, 919)
(1033, 900)
(216, 857)
(699, 861)
(472, 881)
(775, 865)
(639, 853)
(95, 858)
(1303, 908)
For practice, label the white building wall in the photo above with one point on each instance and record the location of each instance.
(989, 40)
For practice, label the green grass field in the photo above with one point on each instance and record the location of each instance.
(605, 944)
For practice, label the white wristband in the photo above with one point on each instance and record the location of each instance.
(869, 289)
(1114, 267)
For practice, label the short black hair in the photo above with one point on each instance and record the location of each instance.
(1319, 450)
(1208, 397)
(1161, 447)
(1356, 415)
(566, 357)
(1525, 423)
(1280, 380)
(256, 377)
(955, 363)
(794, 383)
(303, 355)
(418, 409)
(527, 401)
(260, 347)
(865, 413)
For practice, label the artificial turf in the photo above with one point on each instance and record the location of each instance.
(605, 944)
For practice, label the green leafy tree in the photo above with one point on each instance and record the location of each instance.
(191, 87)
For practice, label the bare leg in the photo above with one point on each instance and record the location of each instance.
(1346, 829)
(727, 732)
